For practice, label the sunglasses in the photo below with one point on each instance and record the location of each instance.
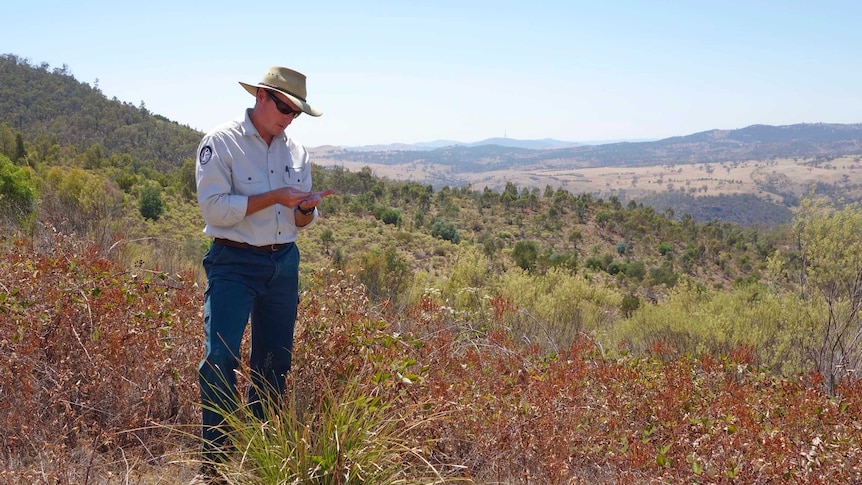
(281, 106)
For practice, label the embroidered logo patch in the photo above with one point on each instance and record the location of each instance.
(205, 155)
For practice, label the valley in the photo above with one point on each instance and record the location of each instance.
(775, 180)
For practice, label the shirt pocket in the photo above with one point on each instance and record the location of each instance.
(294, 176)
(248, 181)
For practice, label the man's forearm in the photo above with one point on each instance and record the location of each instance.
(259, 202)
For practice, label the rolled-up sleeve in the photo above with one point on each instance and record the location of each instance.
(219, 204)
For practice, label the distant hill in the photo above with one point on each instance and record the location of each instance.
(384, 148)
(543, 144)
(756, 142)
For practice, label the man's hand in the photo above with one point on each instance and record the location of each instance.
(305, 208)
(290, 197)
(286, 196)
(314, 198)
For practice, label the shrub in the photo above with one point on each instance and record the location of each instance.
(635, 269)
(623, 248)
(665, 249)
(445, 230)
(151, 205)
(91, 355)
(825, 269)
(98, 375)
(525, 254)
(388, 215)
(597, 262)
(391, 216)
(384, 273)
(567, 260)
(17, 189)
(557, 305)
(697, 321)
(80, 202)
(468, 280)
(663, 275)
(629, 304)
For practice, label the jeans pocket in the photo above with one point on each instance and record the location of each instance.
(212, 256)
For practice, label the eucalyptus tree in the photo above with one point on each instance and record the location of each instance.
(825, 269)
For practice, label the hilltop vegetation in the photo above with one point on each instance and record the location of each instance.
(63, 118)
(526, 335)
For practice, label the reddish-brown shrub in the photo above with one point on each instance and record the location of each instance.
(93, 356)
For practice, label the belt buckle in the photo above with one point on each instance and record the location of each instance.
(274, 247)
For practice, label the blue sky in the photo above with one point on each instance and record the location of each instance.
(407, 71)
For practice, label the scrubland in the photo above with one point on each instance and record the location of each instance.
(98, 385)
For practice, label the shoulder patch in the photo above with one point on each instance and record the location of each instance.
(205, 155)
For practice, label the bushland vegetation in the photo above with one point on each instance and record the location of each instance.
(98, 376)
(513, 336)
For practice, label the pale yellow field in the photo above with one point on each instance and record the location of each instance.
(766, 179)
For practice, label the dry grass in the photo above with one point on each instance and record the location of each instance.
(97, 381)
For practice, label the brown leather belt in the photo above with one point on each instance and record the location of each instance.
(269, 248)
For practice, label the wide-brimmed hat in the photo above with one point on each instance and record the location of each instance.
(287, 82)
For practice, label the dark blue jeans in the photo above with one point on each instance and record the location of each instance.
(242, 283)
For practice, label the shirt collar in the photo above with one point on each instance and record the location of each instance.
(248, 128)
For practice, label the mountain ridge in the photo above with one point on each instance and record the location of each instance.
(537, 144)
(755, 142)
(51, 106)
(809, 132)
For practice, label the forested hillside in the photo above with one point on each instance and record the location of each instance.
(747, 210)
(57, 112)
(513, 336)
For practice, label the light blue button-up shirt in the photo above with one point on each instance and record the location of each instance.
(234, 162)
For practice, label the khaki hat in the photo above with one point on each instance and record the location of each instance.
(287, 82)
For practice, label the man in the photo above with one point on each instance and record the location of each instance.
(254, 190)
